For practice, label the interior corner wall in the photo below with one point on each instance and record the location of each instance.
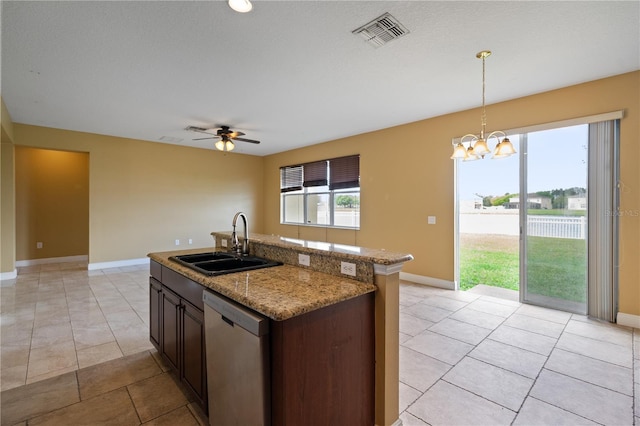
(406, 175)
(7, 195)
(143, 196)
(7, 206)
(52, 203)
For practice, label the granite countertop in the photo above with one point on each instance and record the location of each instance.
(279, 292)
(344, 251)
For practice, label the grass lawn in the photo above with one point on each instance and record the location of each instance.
(557, 266)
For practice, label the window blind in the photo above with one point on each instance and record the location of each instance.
(290, 178)
(604, 140)
(344, 172)
(315, 174)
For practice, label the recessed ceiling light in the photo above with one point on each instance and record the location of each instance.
(241, 6)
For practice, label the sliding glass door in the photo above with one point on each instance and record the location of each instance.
(566, 203)
(553, 213)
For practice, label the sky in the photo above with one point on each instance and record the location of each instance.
(556, 159)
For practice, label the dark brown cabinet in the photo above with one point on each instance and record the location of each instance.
(170, 343)
(193, 351)
(155, 298)
(322, 366)
(322, 363)
(177, 328)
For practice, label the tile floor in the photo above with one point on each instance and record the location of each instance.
(76, 343)
(59, 317)
(470, 358)
(136, 389)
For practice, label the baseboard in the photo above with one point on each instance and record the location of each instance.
(30, 262)
(118, 263)
(628, 320)
(8, 275)
(433, 282)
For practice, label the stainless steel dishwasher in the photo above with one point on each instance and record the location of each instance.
(237, 350)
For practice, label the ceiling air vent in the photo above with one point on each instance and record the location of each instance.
(381, 30)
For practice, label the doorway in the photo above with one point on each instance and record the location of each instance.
(525, 226)
(535, 222)
(52, 205)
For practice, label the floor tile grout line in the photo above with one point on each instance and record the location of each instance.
(127, 300)
(535, 380)
(133, 403)
(73, 337)
(560, 408)
(555, 346)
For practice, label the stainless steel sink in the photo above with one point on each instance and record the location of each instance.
(220, 263)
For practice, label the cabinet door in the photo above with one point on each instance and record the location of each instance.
(155, 309)
(170, 328)
(193, 358)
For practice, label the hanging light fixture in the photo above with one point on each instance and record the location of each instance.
(225, 144)
(473, 147)
(241, 6)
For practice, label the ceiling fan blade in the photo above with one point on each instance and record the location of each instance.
(199, 130)
(234, 134)
(246, 140)
(201, 139)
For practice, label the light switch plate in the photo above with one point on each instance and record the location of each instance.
(431, 220)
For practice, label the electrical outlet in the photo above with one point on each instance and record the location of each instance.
(177, 242)
(223, 242)
(304, 259)
(348, 268)
(190, 241)
(39, 244)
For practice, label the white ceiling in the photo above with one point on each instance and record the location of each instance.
(291, 73)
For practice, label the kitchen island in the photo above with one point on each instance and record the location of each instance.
(334, 351)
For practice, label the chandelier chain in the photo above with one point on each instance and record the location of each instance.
(484, 112)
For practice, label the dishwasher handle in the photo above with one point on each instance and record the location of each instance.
(235, 314)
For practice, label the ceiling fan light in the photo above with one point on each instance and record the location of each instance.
(241, 6)
(220, 145)
(228, 146)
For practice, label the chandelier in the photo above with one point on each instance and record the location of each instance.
(473, 147)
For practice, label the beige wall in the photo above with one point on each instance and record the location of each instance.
(7, 194)
(52, 203)
(145, 195)
(406, 175)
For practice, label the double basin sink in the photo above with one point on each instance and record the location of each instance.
(220, 262)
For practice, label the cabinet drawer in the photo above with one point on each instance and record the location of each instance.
(187, 289)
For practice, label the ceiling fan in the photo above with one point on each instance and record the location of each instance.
(226, 135)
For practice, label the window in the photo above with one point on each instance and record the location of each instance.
(321, 193)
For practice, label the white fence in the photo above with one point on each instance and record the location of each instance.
(573, 227)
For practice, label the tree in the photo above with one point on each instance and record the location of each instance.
(347, 201)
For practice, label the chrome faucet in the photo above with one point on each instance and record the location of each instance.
(244, 250)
